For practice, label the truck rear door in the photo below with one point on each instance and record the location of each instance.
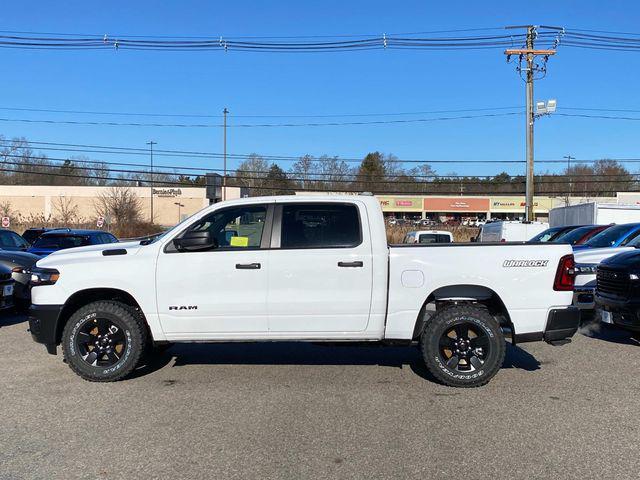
(321, 264)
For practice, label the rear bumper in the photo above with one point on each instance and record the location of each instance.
(562, 324)
(43, 325)
(584, 298)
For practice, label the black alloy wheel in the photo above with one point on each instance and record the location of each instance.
(101, 342)
(464, 347)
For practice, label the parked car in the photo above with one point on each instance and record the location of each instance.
(614, 236)
(300, 268)
(428, 236)
(31, 234)
(20, 264)
(55, 240)
(551, 234)
(6, 288)
(510, 231)
(618, 290)
(580, 235)
(10, 240)
(587, 261)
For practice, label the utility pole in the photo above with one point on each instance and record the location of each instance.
(224, 156)
(151, 143)
(528, 54)
(569, 158)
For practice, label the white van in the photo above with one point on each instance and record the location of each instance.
(428, 236)
(510, 231)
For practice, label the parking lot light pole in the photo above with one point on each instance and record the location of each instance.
(151, 143)
(179, 205)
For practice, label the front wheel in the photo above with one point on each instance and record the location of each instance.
(463, 346)
(103, 341)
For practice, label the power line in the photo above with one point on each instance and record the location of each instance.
(84, 148)
(259, 125)
(193, 115)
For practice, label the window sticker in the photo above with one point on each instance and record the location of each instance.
(239, 242)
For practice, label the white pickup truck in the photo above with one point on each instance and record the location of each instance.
(300, 268)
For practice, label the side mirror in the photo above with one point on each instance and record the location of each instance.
(195, 241)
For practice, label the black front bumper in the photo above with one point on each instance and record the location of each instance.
(562, 324)
(625, 313)
(43, 325)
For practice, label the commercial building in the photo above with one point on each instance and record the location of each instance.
(33, 203)
(445, 208)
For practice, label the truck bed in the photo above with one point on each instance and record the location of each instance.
(520, 274)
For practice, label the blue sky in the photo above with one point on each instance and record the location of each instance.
(321, 83)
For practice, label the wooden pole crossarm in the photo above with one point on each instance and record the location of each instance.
(524, 51)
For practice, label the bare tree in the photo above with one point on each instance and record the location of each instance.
(6, 209)
(251, 174)
(119, 205)
(65, 209)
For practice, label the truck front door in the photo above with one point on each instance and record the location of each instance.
(320, 269)
(221, 290)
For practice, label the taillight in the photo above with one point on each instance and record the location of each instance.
(565, 274)
(503, 240)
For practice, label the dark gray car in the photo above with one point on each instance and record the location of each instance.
(19, 263)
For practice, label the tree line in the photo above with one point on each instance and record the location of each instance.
(376, 173)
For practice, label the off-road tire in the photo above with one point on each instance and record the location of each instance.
(445, 319)
(133, 328)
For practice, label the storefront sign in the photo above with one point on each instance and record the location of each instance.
(517, 204)
(456, 204)
(167, 192)
(400, 204)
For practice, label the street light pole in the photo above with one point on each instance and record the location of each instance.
(151, 143)
(179, 205)
(224, 156)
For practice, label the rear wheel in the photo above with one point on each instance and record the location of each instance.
(463, 346)
(103, 341)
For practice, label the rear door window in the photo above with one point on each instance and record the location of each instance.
(325, 225)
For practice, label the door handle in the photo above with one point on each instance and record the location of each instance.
(351, 264)
(248, 266)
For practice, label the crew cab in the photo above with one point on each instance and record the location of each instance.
(301, 268)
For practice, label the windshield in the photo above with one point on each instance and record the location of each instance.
(60, 242)
(574, 235)
(609, 237)
(548, 235)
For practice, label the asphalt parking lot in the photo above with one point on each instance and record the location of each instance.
(306, 411)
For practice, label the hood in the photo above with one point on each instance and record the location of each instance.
(596, 255)
(629, 260)
(19, 258)
(90, 251)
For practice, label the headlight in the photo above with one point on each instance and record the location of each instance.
(586, 269)
(44, 276)
(19, 270)
(633, 276)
